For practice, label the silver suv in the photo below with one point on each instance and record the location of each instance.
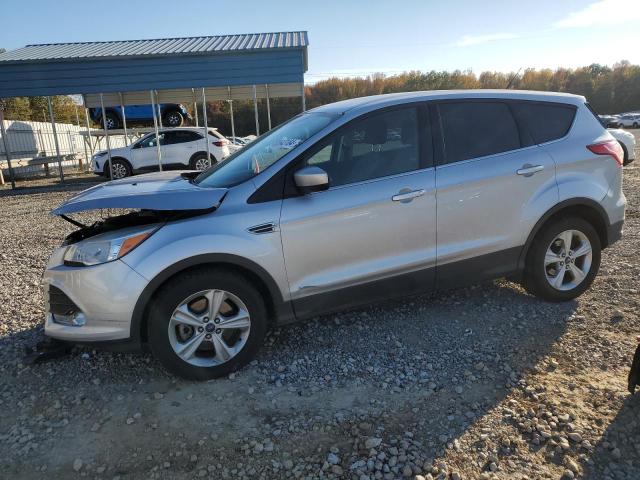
(346, 204)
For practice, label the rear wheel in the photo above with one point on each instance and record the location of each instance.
(112, 121)
(200, 162)
(173, 119)
(563, 260)
(207, 323)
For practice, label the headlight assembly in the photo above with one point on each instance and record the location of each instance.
(105, 247)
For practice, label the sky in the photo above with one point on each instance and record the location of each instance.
(359, 37)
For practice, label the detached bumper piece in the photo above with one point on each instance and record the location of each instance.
(634, 374)
(47, 349)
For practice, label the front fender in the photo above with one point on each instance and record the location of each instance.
(175, 247)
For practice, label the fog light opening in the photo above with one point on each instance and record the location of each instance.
(75, 319)
(78, 319)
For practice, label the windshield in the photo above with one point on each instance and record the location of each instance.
(264, 151)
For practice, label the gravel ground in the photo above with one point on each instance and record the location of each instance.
(482, 382)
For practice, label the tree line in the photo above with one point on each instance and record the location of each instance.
(609, 90)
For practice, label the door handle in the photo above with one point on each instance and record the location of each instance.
(405, 197)
(527, 170)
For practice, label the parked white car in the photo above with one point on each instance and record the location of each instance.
(627, 141)
(629, 120)
(180, 147)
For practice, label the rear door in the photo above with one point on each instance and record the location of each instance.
(372, 234)
(492, 184)
(179, 146)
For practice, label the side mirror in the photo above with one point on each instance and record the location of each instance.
(311, 179)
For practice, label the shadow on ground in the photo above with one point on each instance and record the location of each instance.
(616, 455)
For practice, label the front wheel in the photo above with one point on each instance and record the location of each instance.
(207, 323)
(563, 260)
(119, 169)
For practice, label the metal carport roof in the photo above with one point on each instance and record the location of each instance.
(171, 70)
(160, 64)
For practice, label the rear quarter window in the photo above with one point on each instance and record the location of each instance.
(544, 121)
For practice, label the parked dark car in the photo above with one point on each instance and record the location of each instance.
(173, 115)
(609, 121)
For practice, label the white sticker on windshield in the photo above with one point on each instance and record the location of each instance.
(289, 143)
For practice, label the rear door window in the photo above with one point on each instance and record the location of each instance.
(544, 121)
(183, 136)
(475, 129)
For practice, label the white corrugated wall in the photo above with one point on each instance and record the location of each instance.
(27, 140)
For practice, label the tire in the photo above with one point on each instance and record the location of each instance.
(172, 119)
(635, 124)
(199, 162)
(113, 122)
(167, 335)
(538, 272)
(625, 154)
(119, 167)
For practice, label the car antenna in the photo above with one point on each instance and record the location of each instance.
(513, 77)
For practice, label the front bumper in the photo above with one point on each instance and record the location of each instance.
(97, 164)
(99, 299)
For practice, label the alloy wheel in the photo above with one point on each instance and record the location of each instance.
(209, 328)
(202, 163)
(568, 259)
(118, 170)
(173, 119)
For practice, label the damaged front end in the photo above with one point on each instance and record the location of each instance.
(136, 208)
(90, 291)
(115, 220)
(116, 234)
(133, 204)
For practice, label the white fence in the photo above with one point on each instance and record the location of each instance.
(27, 140)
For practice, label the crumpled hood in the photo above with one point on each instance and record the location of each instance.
(153, 191)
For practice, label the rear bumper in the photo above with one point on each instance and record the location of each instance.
(614, 232)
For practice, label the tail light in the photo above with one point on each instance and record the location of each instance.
(611, 148)
(220, 143)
